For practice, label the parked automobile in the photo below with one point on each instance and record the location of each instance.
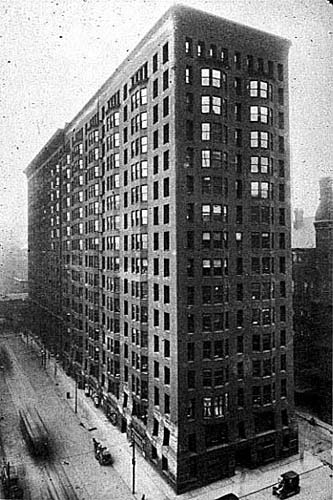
(102, 454)
(288, 485)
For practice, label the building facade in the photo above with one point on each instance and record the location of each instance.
(159, 236)
(312, 301)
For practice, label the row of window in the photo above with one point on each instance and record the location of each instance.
(214, 52)
(219, 321)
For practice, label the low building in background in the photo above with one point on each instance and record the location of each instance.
(312, 301)
(13, 269)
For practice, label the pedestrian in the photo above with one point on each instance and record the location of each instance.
(143, 497)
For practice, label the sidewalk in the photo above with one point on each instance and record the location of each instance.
(148, 481)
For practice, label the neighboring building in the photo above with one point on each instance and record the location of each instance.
(14, 310)
(160, 254)
(312, 277)
(13, 269)
(303, 232)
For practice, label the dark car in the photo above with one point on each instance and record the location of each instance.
(288, 485)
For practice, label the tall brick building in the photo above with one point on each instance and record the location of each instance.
(159, 236)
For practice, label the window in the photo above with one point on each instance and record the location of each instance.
(166, 268)
(205, 104)
(207, 378)
(237, 60)
(155, 63)
(166, 214)
(166, 375)
(189, 102)
(238, 137)
(166, 437)
(255, 189)
(155, 88)
(155, 427)
(213, 51)
(259, 139)
(238, 86)
(207, 407)
(216, 105)
(165, 79)
(258, 89)
(155, 139)
(205, 158)
(205, 131)
(189, 130)
(259, 114)
(166, 160)
(240, 318)
(280, 72)
(155, 113)
(166, 106)
(256, 395)
(239, 266)
(201, 49)
(144, 144)
(282, 216)
(165, 53)
(166, 189)
(205, 77)
(191, 379)
(259, 164)
(260, 190)
(188, 74)
(240, 344)
(155, 165)
(166, 133)
(216, 78)
(156, 396)
(188, 46)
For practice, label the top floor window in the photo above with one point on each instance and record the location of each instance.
(165, 53)
(155, 63)
(201, 49)
(188, 46)
(213, 51)
(237, 60)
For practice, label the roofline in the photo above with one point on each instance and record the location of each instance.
(170, 13)
(57, 134)
(123, 64)
(285, 41)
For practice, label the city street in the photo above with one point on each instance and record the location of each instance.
(71, 467)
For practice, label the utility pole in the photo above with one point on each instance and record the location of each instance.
(133, 459)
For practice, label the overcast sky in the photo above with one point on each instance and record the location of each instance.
(55, 54)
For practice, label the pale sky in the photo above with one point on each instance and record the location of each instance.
(55, 54)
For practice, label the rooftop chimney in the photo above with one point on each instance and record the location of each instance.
(298, 221)
(325, 210)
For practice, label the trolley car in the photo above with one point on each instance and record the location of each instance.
(34, 431)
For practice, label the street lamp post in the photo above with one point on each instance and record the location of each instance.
(75, 394)
(133, 459)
